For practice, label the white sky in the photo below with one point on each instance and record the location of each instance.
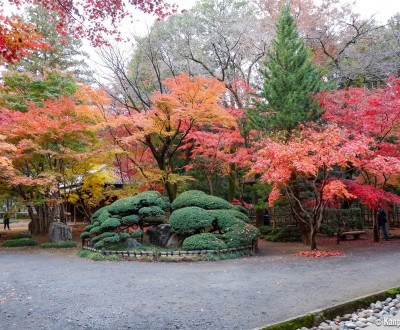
(382, 9)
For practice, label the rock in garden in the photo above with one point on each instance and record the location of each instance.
(159, 235)
(175, 240)
(131, 243)
(59, 232)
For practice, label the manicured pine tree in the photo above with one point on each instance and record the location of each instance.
(290, 81)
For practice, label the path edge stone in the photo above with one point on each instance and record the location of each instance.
(319, 315)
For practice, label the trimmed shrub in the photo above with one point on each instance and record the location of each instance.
(151, 211)
(205, 241)
(101, 236)
(123, 236)
(326, 229)
(241, 235)
(266, 230)
(95, 231)
(96, 214)
(190, 220)
(110, 223)
(242, 209)
(20, 242)
(49, 245)
(132, 219)
(137, 233)
(112, 239)
(200, 199)
(99, 245)
(124, 206)
(89, 227)
(85, 234)
(238, 215)
(103, 217)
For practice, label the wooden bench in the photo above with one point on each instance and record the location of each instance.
(355, 234)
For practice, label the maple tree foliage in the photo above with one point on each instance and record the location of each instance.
(86, 18)
(214, 150)
(40, 145)
(152, 139)
(18, 39)
(374, 113)
(311, 159)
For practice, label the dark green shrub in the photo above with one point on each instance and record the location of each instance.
(112, 239)
(132, 205)
(326, 229)
(241, 235)
(284, 234)
(96, 214)
(110, 223)
(85, 234)
(124, 207)
(99, 245)
(123, 236)
(102, 217)
(132, 219)
(49, 245)
(88, 228)
(190, 220)
(203, 241)
(137, 233)
(95, 231)
(22, 235)
(200, 199)
(103, 235)
(238, 215)
(20, 242)
(355, 223)
(151, 211)
(242, 209)
(266, 230)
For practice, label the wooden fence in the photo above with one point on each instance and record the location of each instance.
(156, 255)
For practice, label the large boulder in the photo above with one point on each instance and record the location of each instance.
(159, 235)
(59, 232)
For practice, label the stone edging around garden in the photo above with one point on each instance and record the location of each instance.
(319, 315)
(156, 255)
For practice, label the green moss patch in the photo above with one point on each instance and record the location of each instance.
(20, 242)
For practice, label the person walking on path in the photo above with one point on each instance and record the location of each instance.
(6, 220)
(382, 222)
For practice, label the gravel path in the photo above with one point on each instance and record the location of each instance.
(42, 289)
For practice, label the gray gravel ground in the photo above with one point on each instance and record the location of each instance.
(41, 289)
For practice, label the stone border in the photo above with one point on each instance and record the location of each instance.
(319, 315)
(156, 255)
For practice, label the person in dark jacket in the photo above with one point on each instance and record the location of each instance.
(382, 220)
(6, 220)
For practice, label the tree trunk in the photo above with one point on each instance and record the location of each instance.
(172, 190)
(305, 234)
(40, 220)
(231, 182)
(376, 228)
(313, 234)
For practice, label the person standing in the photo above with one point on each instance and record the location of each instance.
(6, 220)
(382, 220)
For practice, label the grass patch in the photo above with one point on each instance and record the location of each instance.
(96, 256)
(20, 242)
(49, 245)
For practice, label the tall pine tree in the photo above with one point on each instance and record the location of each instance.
(290, 81)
